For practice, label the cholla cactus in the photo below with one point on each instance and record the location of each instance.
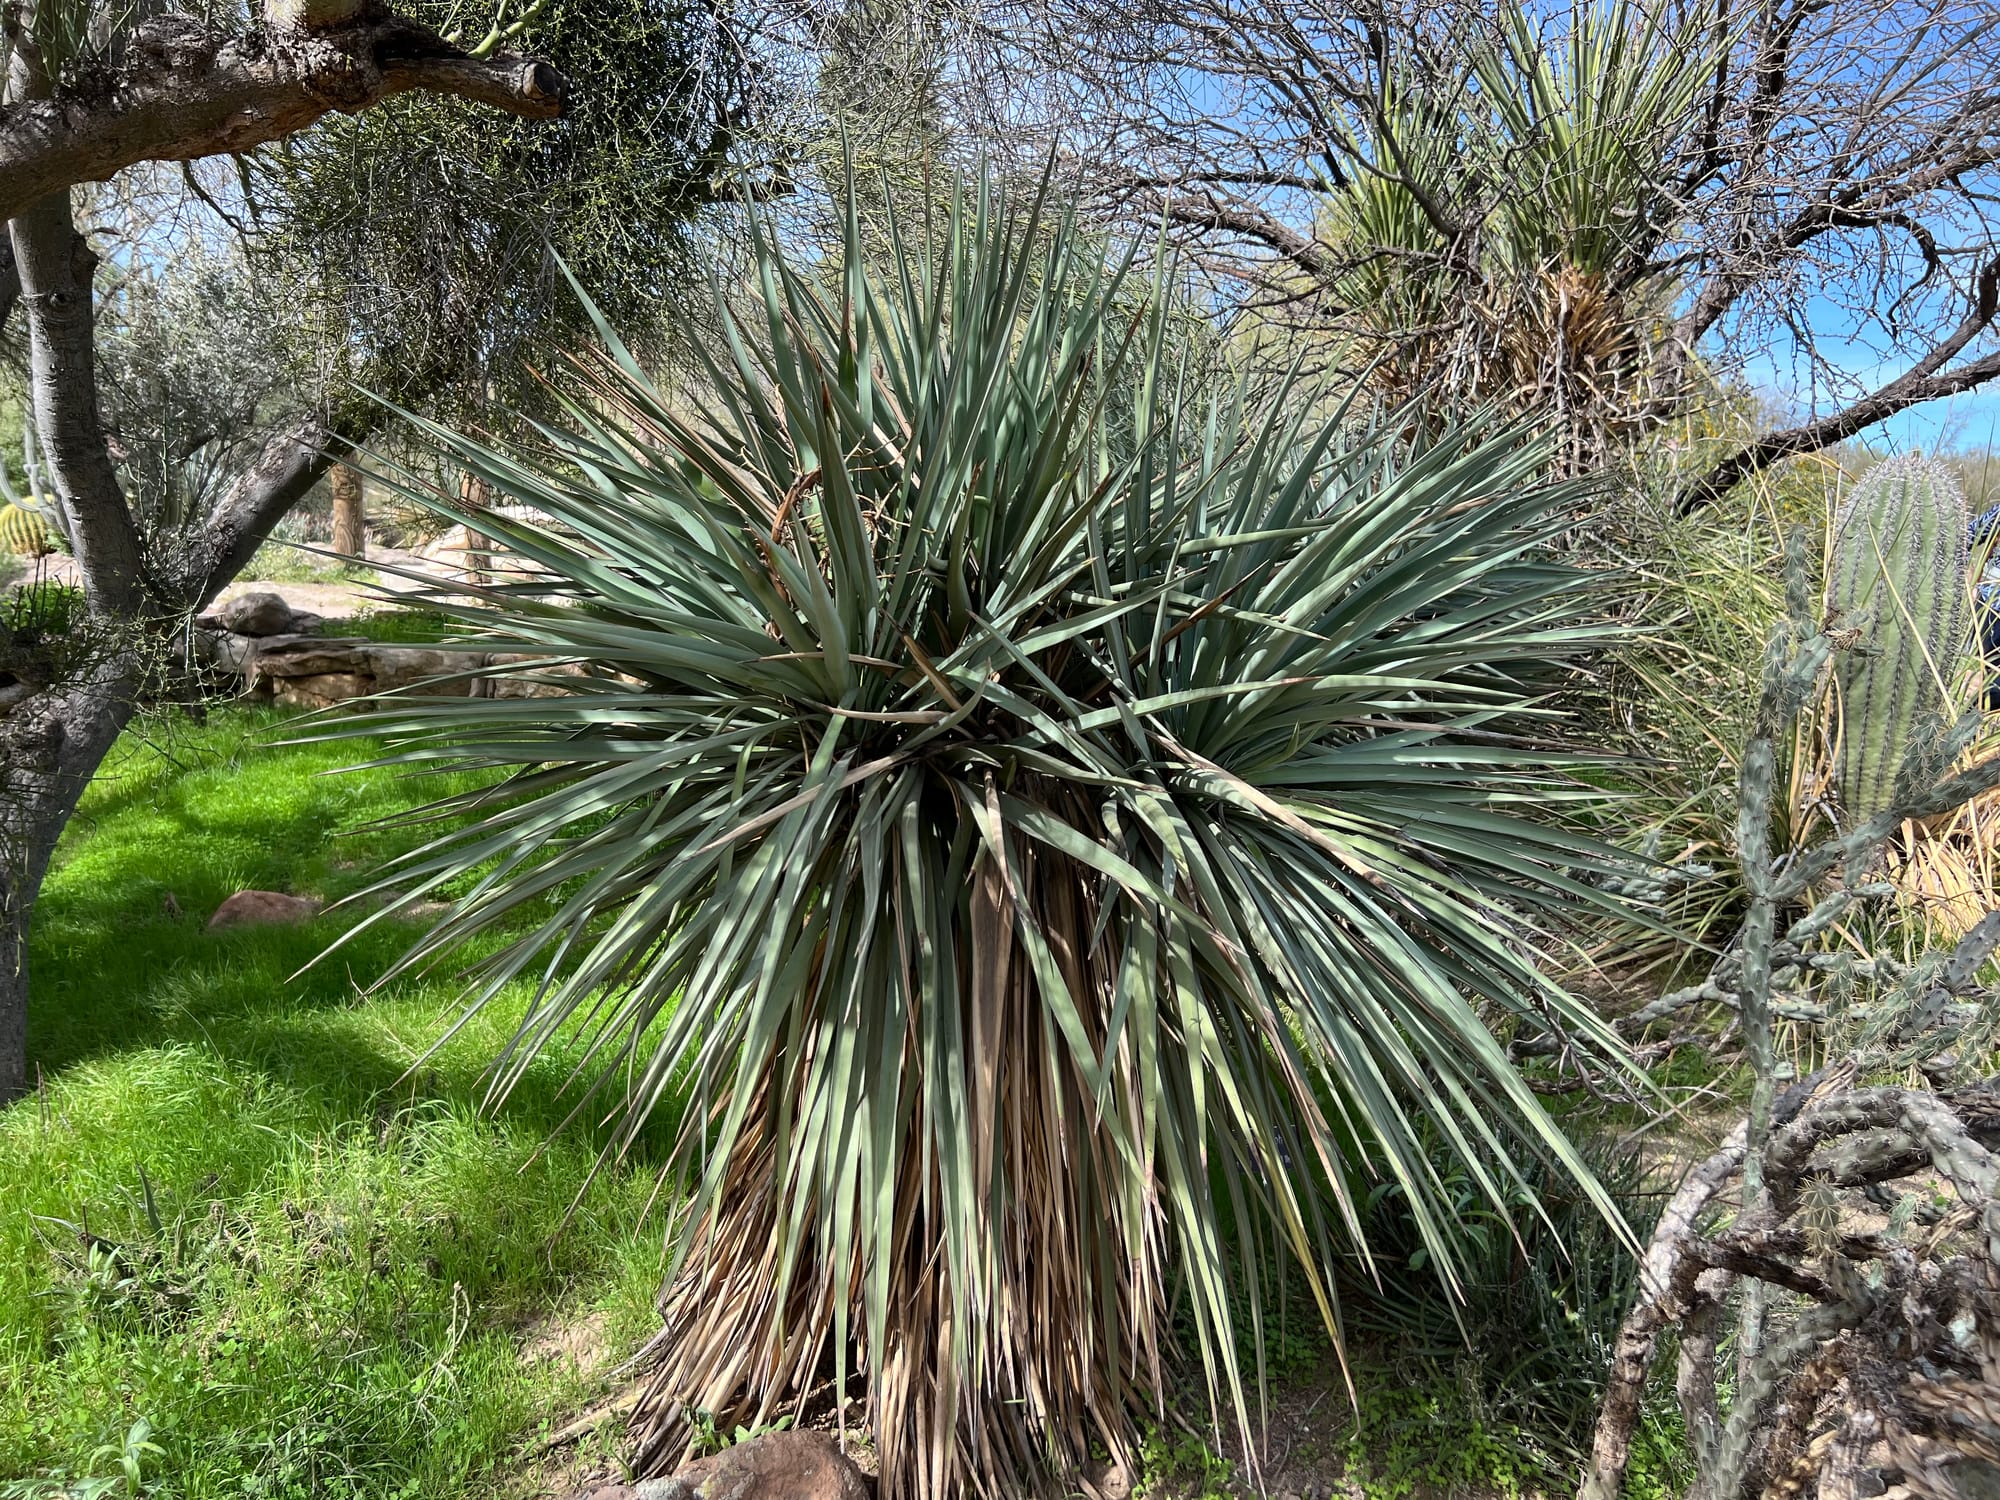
(1895, 598)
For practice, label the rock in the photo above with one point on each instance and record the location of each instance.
(776, 1466)
(322, 690)
(411, 668)
(263, 909)
(310, 656)
(256, 614)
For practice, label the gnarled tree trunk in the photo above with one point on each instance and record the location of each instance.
(50, 746)
(178, 89)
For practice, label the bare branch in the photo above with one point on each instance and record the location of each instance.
(1927, 380)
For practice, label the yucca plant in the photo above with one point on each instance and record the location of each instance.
(1496, 227)
(1033, 826)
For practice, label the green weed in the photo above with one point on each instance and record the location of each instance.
(277, 562)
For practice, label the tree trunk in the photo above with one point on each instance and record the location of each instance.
(50, 746)
(350, 536)
(474, 494)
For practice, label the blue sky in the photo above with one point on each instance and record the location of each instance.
(1970, 420)
(1864, 353)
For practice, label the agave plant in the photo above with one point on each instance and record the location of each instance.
(1035, 828)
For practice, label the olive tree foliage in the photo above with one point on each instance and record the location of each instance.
(189, 384)
(1606, 207)
(361, 236)
(429, 250)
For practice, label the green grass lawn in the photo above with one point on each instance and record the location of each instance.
(410, 627)
(332, 1277)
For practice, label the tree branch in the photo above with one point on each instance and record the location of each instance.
(1925, 381)
(183, 90)
(291, 463)
(1205, 210)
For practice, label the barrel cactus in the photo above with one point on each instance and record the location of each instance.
(23, 532)
(1896, 601)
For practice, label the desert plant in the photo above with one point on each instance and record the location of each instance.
(22, 532)
(1027, 821)
(1545, 1293)
(1882, 1374)
(1896, 599)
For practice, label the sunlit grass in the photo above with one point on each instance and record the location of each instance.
(343, 1274)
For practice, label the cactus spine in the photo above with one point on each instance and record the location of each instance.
(22, 532)
(1898, 579)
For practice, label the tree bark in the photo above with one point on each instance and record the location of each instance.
(291, 463)
(474, 494)
(350, 534)
(50, 746)
(10, 280)
(55, 268)
(183, 90)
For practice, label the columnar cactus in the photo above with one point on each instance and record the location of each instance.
(1896, 600)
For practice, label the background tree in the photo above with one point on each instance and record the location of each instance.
(472, 208)
(1606, 208)
(350, 516)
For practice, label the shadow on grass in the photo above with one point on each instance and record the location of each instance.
(181, 818)
(329, 1266)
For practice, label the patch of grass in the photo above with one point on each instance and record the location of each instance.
(1427, 1439)
(276, 562)
(1183, 1466)
(228, 1213)
(414, 627)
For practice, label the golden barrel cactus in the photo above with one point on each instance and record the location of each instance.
(23, 532)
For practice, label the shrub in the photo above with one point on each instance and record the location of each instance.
(1028, 813)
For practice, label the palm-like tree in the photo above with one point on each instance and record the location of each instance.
(1046, 834)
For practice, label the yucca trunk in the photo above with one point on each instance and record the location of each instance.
(1061, 1327)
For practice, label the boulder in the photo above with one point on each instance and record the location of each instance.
(263, 909)
(256, 614)
(402, 668)
(776, 1466)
